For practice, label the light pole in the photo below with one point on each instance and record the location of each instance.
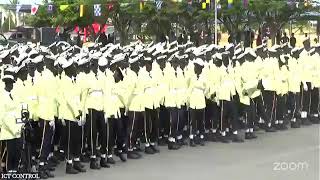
(215, 23)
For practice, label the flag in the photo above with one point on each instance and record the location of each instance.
(50, 8)
(97, 9)
(105, 28)
(18, 7)
(158, 4)
(76, 29)
(63, 7)
(205, 4)
(96, 27)
(141, 5)
(34, 9)
(81, 10)
(245, 3)
(230, 2)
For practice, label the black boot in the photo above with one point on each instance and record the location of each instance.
(270, 129)
(315, 119)
(42, 173)
(192, 143)
(148, 150)
(212, 137)
(84, 158)
(104, 163)
(155, 148)
(162, 141)
(133, 155)
(59, 155)
(110, 160)
(94, 164)
(49, 166)
(196, 139)
(49, 174)
(122, 156)
(173, 146)
(306, 122)
(70, 169)
(201, 140)
(282, 127)
(224, 139)
(237, 138)
(54, 161)
(78, 166)
(248, 135)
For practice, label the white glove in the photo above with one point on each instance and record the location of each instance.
(63, 122)
(305, 86)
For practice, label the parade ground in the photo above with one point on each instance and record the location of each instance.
(283, 155)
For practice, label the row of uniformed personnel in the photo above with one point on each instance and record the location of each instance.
(92, 97)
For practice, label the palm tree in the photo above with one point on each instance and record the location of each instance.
(12, 3)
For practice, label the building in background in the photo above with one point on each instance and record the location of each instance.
(12, 16)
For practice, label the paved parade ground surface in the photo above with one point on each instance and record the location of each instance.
(283, 155)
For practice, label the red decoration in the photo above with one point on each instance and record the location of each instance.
(76, 29)
(58, 29)
(105, 27)
(96, 27)
(110, 6)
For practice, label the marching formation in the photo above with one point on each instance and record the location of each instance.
(72, 104)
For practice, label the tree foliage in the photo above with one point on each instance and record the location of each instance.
(128, 19)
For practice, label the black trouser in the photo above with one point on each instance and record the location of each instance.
(260, 107)
(57, 132)
(135, 118)
(269, 98)
(36, 141)
(249, 114)
(110, 134)
(229, 110)
(197, 121)
(46, 140)
(84, 137)
(281, 107)
(306, 98)
(164, 117)
(72, 147)
(120, 129)
(212, 115)
(13, 153)
(182, 120)
(96, 124)
(294, 105)
(314, 108)
(173, 118)
(152, 124)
